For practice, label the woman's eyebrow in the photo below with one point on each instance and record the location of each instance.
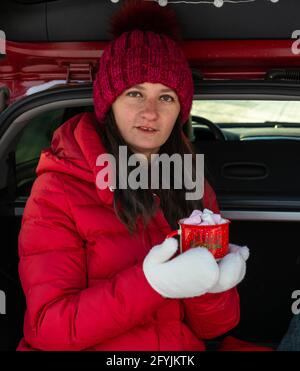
(165, 90)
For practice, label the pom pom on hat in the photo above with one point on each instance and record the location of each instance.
(144, 50)
(145, 16)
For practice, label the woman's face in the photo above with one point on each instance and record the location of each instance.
(145, 115)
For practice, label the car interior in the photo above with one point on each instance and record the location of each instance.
(248, 131)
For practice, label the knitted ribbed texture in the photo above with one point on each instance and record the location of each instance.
(137, 57)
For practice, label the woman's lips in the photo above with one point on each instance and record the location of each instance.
(146, 129)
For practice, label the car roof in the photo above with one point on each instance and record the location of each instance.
(88, 20)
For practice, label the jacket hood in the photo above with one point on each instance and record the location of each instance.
(74, 150)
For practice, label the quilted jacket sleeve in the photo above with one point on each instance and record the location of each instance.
(212, 315)
(62, 312)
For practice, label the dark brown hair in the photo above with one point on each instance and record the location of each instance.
(130, 204)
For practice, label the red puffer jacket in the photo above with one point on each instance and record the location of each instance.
(81, 271)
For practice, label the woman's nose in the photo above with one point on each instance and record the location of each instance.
(150, 110)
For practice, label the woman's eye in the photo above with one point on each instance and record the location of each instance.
(167, 98)
(133, 93)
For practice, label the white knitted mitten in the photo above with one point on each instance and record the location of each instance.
(187, 275)
(232, 268)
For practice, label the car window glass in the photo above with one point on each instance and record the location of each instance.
(37, 135)
(248, 111)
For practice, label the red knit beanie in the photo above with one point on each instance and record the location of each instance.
(144, 52)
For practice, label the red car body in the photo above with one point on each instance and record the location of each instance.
(30, 64)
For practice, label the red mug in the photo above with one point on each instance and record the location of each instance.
(214, 237)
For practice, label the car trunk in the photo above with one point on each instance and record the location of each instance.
(264, 213)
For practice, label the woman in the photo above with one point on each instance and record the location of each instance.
(95, 267)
